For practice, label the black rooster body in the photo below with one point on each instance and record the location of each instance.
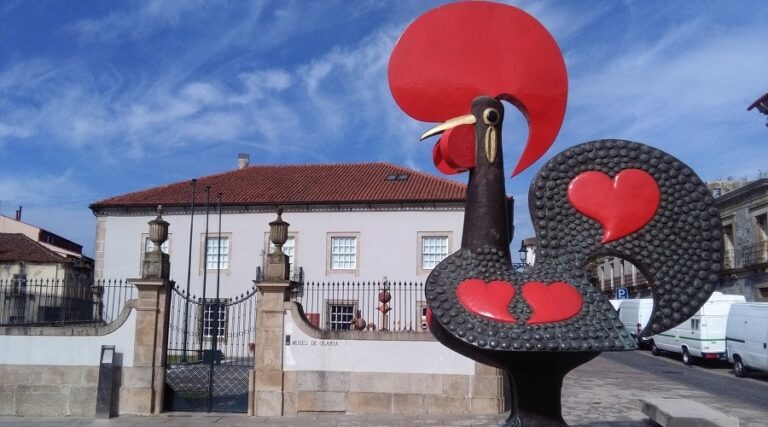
(539, 324)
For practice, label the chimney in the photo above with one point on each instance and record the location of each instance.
(242, 160)
(18, 214)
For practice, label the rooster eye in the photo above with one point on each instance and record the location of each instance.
(490, 116)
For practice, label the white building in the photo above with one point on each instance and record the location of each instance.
(52, 241)
(614, 273)
(348, 222)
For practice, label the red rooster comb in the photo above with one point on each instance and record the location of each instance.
(454, 53)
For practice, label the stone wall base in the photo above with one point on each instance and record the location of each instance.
(393, 393)
(48, 391)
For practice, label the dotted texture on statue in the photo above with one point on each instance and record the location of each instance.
(678, 249)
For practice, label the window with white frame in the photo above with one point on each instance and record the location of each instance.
(289, 249)
(343, 252)
(217, 253)
(340, 315)
(433, 250)
(214, 319)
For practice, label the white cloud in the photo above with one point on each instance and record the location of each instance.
(665, 84)
(246, 76)
(563, 20)
(13, 131)
(262, 83)
(142, 20)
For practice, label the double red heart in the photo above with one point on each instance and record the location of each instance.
(622, 205)
(550, 303)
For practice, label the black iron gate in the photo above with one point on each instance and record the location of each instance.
(211, 345)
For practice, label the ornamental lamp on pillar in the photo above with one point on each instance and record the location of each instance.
(277, 262)
(156, 264)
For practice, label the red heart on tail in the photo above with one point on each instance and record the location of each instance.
(489, 300)
(554, 303)
(622, 205)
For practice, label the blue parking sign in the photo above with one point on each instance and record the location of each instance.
(622, 293)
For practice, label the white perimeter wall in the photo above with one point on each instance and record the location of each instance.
(418, 357)
(67, 350)
(388, 244)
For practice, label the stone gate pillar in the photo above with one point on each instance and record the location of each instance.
(142, 386)
(268, 363)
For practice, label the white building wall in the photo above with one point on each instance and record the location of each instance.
(306, 353)
(388, 244)
(33, 271)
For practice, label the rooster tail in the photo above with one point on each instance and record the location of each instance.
(625, 199)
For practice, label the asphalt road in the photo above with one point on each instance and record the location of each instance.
(712, 377)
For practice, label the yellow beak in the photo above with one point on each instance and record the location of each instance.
(469, 119)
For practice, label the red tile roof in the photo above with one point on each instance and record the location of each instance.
(303, 184)
(16, 247)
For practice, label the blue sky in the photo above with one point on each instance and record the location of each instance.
(102, 98)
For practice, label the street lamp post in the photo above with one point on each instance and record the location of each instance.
(523, 257)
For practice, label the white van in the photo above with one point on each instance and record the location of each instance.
(635, 314)
(703, 335)
(746, 337)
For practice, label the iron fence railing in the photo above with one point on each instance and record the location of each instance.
(382, 306)
(56, 302)
(220, 330)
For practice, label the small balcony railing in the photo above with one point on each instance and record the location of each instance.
(746, 256)
(756, 253)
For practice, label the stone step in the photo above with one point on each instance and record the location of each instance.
(685, 413)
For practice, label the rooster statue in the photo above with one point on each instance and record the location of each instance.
(601, 198)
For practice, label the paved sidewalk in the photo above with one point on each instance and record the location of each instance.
(601, 393)
(187, 420)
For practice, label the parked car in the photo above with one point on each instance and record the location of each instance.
(635, 314)
(703, 335)
(746, 337)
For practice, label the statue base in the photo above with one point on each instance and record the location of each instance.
(535, 381)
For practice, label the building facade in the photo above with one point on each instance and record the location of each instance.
(348, 223)
(614, 275)
(38, 285)
(744, 212)
(49, 240)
